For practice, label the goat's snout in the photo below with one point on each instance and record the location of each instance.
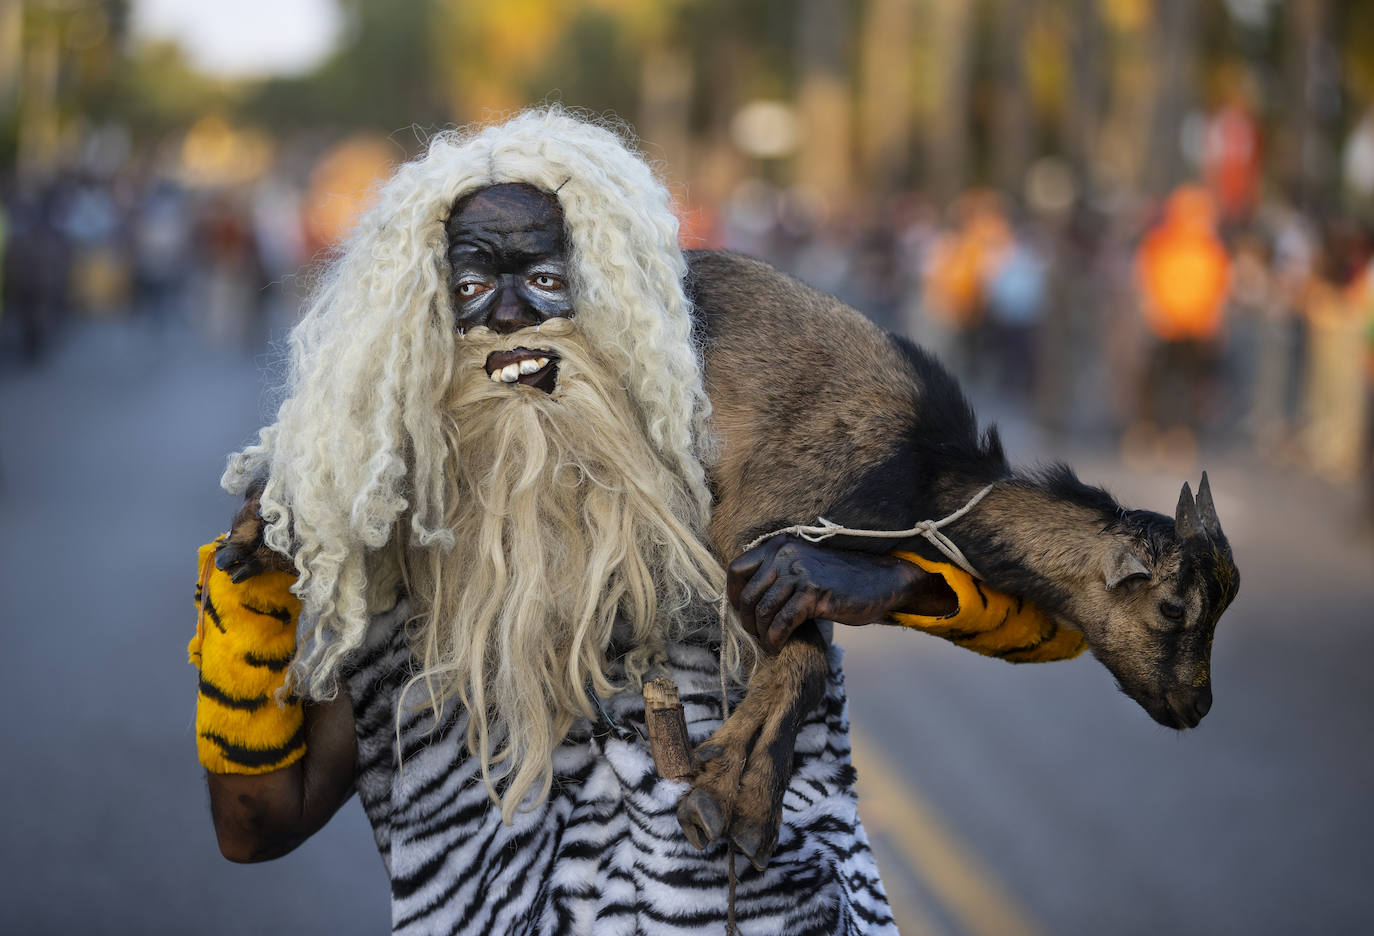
(1190, 706)
(1203, 705)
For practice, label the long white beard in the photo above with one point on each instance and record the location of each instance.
(565, 519)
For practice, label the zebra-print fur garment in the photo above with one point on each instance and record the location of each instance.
(604, 853)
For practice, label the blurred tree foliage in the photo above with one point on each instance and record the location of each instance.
(61, 67)
(382, 77)
(986, 86)
(159, 90)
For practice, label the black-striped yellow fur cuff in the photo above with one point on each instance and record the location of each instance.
(245, 639)
(991, 622)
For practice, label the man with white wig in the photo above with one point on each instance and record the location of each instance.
(475, 529)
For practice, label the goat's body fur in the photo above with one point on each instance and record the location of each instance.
(817, 412)
(820, 413)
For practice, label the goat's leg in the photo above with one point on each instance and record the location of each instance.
(758, 804)
(749, 759)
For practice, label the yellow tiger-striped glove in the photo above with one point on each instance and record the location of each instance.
(991, 622)
(245, 639)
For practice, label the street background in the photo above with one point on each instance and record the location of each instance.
(1139, 230)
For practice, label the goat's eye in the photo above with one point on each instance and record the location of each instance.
(1170, 610)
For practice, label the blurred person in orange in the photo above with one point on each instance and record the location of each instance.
(956, 279)
(1183, 272)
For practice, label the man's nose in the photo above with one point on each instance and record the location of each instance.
(512, 312)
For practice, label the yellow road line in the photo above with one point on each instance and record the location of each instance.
(913, 917)
(952, 872)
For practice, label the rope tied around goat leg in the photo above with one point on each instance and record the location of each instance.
(823, 529)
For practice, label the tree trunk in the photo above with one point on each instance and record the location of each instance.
(1011, 144)
(665, 108)
(1176, 35)
(825, 162)
(1084, 97)
(1305, 154)
(885, 112)
(947, 134)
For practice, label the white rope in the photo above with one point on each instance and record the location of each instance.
(823, 529)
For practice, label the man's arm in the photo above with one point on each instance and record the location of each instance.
(263, 816)
(262, 813)
(786, 581)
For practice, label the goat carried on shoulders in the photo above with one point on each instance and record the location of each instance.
(818, 413)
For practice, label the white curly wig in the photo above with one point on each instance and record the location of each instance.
(356, 451)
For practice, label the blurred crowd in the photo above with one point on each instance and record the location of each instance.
(1158, 326)
(1212, 316)
(146, 250)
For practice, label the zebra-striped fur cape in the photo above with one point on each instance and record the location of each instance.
(604, 853)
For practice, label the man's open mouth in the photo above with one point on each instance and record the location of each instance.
(531, 367)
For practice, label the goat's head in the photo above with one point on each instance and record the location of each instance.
(1163, 587)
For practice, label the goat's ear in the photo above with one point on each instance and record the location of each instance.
(1122, 565)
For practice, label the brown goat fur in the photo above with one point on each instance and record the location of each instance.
(782, 357)
(817, 412)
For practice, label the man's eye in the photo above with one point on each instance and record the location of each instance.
(546, 281)
(471, 288)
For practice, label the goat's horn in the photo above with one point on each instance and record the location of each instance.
(1187, 523)
(1207, 510)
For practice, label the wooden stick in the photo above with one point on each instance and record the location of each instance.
(674, 758)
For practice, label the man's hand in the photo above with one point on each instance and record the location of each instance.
(244, 554)
(786, 581)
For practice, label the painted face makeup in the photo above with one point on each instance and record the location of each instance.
(508, 264)
(508, 259)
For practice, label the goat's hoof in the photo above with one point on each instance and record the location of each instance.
(754, 841)
(701, 818)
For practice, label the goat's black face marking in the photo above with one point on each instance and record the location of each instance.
(1211, 571)
(1209, 582)
(508, 258)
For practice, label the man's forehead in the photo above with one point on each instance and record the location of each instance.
(506, 208)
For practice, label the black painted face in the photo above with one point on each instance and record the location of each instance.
(508, 258)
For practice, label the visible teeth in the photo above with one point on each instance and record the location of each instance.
(529, 366)
(496, 375)
(510, 373)
(543, 362)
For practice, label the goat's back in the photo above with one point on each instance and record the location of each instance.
(809, 400)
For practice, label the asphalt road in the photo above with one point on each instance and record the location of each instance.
(1089, 818)
(1002, 799)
